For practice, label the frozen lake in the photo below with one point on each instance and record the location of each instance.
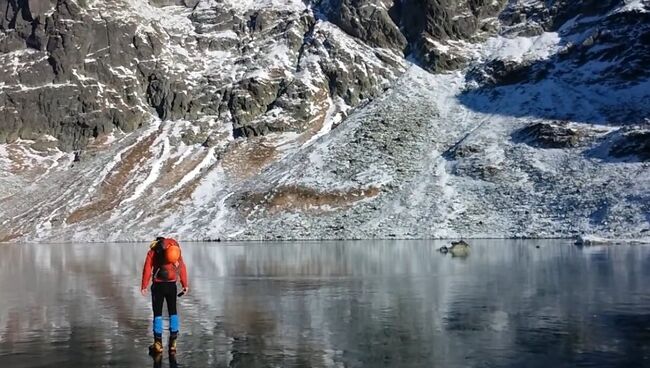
(333, 304)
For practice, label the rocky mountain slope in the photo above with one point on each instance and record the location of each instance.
(282, 119)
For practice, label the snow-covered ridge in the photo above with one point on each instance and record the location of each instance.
(263, 120)
(248, 5)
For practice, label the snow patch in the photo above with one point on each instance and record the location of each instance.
(642, 6)
(154, 174)
(520, 49)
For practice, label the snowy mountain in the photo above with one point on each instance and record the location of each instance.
(282, 119)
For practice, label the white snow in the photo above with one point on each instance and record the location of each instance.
(214, 229)
(23, 88)
(4, 158)
(210, 185)
(207, 161)
(588, 239)
(118, 156)
(521, 48)
(154, 174)
(333, 116)
(247, 5)
(642, 6)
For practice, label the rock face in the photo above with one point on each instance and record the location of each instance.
(94, 71)
(372, 21)
(267, 119)
(611, 32)
(419, 28)
(430, 25)
(67, 74)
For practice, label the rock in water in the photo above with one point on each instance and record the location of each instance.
(460, 244)
(459, 248)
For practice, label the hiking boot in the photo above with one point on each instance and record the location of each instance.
(157, 346)
(172, 343)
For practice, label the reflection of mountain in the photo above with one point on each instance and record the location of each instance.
(68, 298)
(325, 304)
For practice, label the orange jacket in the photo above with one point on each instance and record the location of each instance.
(157, 269)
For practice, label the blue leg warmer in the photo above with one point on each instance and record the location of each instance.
(174, 323)
(157, 326)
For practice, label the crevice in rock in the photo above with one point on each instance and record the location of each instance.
(282, 89)
(252, 23)
(307, 39)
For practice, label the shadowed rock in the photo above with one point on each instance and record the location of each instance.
(632, 143)
(548, 135)
(415, 27)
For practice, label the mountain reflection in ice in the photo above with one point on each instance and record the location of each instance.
(333, 304)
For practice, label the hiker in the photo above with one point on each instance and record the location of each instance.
(164, 266)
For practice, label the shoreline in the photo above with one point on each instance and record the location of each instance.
(585, 240)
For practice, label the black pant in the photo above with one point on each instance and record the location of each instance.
(161, 291)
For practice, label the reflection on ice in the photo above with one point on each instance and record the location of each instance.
(328, 304)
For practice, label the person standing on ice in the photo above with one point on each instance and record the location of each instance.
(164, 266)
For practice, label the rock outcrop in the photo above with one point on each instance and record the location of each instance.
(632, 143)
(93, 71)
(430, 26)
(610, 32)
(423, 29)
(549, 135)
(71, 74)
